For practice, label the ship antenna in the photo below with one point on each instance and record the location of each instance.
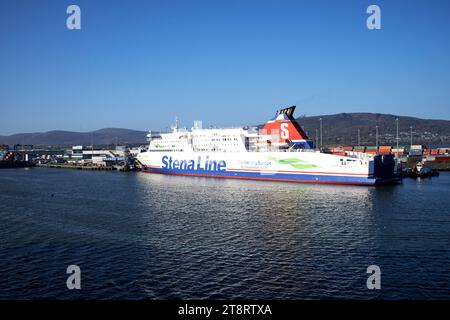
(176, 123)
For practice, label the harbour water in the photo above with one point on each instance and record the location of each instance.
(145, 236)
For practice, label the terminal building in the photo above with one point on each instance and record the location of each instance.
(83, 155)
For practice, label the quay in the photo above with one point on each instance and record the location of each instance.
(74, 166)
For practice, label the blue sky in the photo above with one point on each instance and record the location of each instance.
(138, 64)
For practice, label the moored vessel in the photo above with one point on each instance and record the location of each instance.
(279, 151)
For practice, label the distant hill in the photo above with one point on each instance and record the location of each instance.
(342, 128)
(338, 129)
(68, 138)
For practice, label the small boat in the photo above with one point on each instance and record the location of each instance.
(420, 170)
(15, 164)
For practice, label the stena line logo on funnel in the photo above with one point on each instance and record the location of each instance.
(198, 164)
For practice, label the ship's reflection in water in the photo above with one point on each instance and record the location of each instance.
(236, 239)
(144, 235)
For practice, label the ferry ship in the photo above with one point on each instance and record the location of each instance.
(279, 151)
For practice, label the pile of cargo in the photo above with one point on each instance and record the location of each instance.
(400, 150)
(435, 158)
(439, 155)
(434, 152)
(438, 151)
(416, 150)
(413, 151)
(359, 149)
(334, 150)
(371, 150)
(384, 150)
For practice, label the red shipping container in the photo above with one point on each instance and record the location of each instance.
(442, 159)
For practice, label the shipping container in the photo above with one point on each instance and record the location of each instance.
(442, 159)
(415, 152)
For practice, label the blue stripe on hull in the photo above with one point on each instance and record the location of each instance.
(306, 178)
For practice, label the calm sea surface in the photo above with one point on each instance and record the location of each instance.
(138, 235)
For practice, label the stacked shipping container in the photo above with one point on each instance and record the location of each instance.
(414, 150)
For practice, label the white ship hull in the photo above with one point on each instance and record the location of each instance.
(312, 167)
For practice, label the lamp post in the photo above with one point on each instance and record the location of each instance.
(376, 136)
(359, 137)
(410, 129)
(321, 137)
(317, 138)
(396, 120)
